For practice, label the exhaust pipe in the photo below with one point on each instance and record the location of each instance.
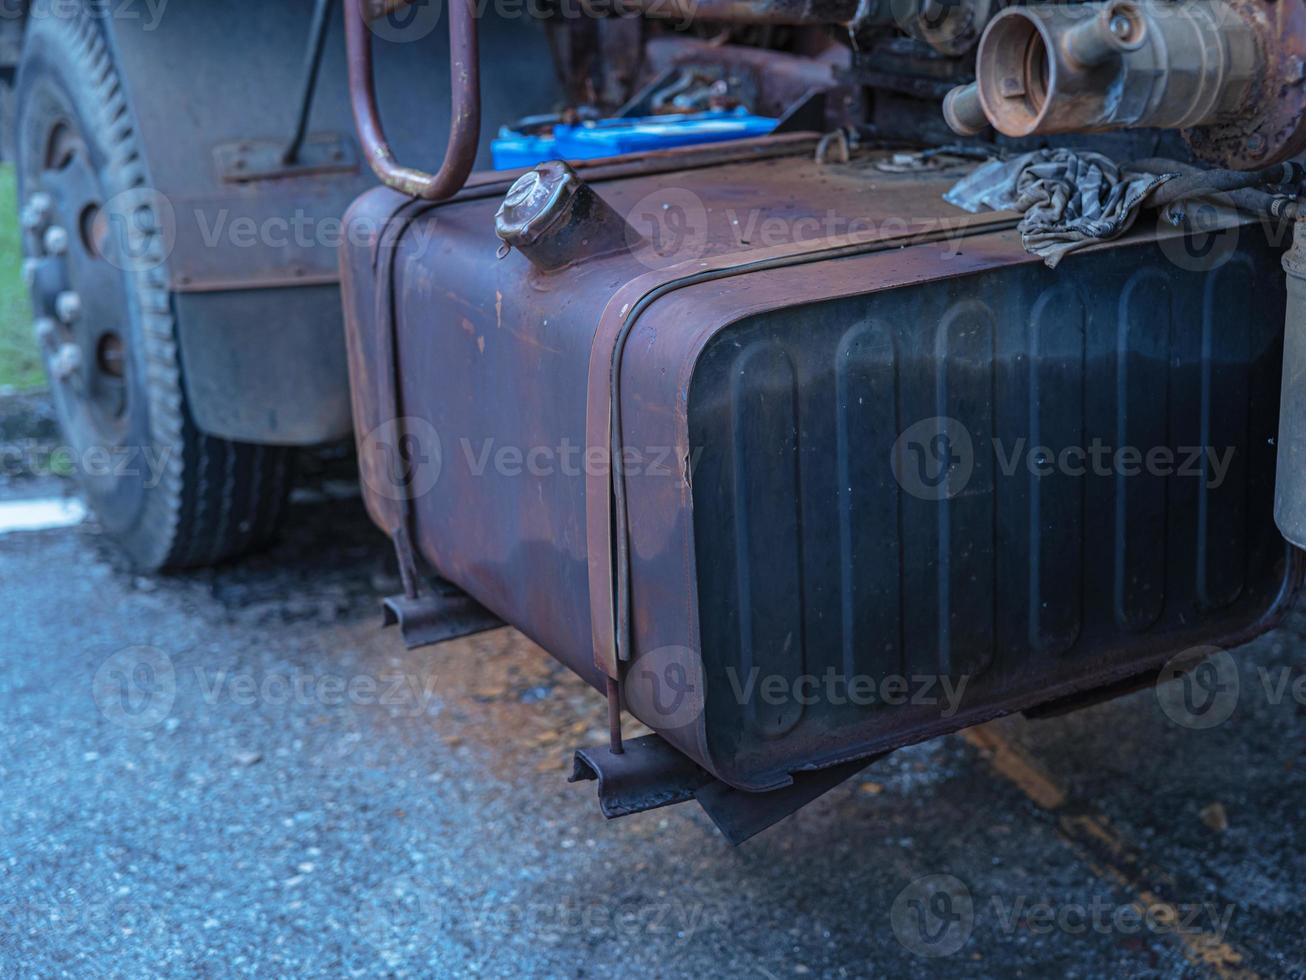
(1290, 476)
(1121, 64)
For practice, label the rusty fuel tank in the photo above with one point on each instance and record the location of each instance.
(809, 463)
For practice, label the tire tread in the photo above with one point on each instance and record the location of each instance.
(216, 498)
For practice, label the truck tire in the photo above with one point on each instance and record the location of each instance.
(97, 239)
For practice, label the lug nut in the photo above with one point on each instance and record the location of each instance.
(29, 272)
(45, 329)
(37, 211)
(68, 306)
(56, 240)
(67, 361)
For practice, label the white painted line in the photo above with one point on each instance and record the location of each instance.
(40, 515)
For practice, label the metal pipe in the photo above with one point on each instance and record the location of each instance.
(372, 9)
(949, 26)
(615, 744)
(792, 13)
(1208, 183)
(465, 115)
(1098, 66)
(1290, 475)
(962, 111)
(1194, 183)
(317, 34)
(1118, 28)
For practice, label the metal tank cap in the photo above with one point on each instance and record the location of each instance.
(555, 219)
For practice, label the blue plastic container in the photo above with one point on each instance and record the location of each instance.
(511, 150)
(614, 137)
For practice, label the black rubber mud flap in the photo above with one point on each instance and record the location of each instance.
(650, 773)
(740, 816)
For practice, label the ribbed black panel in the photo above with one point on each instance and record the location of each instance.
(812, 557)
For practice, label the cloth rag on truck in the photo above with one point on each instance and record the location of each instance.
(1069, 200)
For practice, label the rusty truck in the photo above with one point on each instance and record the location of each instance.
(812, 377)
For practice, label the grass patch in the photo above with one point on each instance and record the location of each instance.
(20, 364)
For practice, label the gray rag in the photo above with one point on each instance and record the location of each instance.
(1069, 200)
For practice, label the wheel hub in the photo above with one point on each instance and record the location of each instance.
(78, 294)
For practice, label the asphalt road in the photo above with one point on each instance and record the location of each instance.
(239, 772)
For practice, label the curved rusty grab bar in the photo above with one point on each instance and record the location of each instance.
(465, 114)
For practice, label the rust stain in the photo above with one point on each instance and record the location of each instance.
(461, 301)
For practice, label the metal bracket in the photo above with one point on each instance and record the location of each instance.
(442, 612)
(650, 773)
(243, 161)
(647, 774)
(317, 35)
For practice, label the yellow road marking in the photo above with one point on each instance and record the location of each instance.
(1108, 854)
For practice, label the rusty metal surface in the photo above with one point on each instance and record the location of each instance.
(773, 12)
(779, 78)
(1096, 66)
(777, 82)
(242, 161)
(1274, 127)
(371, 284)
(533, 553)
(489, 356)
(648, 775)
(1230, 75)
(372, 9)
(465, 119)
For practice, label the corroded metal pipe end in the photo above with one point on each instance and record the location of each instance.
(1122, 64)
(1015, 73)
(962, 111)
